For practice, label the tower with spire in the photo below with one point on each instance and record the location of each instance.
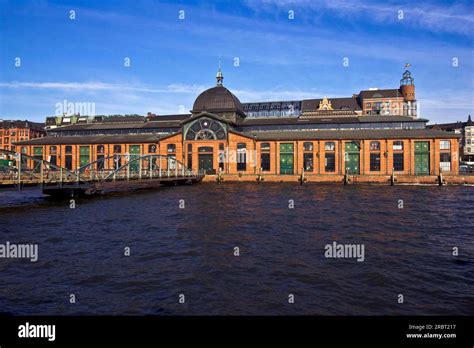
(219, 76)
(407, 89)
(407, 86)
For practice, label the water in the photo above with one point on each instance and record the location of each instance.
(190, 251)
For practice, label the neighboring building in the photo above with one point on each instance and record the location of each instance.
(318, 136)
(466, 143)
(14, 131)
(374, 101)
(53, 122)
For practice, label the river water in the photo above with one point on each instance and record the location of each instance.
(182, 240)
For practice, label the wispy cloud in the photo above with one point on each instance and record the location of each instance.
(178, 88)
(450, 18)
(111, 98)
(102, 86)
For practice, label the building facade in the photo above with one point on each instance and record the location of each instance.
(15, 131)
(374, 132)
(466, 142)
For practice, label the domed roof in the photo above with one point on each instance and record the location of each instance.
(217, 99)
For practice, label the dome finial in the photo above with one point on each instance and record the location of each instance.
(219, 76)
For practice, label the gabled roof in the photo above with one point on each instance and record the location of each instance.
(209, 115)
(447, 126)
(21, 124)
(380, 93)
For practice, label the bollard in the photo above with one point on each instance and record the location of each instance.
(346, 178)
(219, 177)
(302, 179)
(441, 181)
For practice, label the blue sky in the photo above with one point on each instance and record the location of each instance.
(172, 60)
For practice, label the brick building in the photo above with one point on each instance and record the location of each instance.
(466, 142)
(15, 131)
(374, 132)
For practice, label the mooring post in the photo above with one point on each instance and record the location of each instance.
(128, 170)
(19, 171)
(346, 177)
(140, 168)
(259, 176)
(440, 178)
(41, 174)
(150, 166)
(302, 178)
(160, 168)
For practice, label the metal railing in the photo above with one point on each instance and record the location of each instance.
(30, 169)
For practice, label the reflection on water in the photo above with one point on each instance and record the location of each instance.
(191, 251)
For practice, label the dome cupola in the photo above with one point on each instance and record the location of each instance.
(219, 100)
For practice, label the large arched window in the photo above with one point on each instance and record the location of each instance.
(205, 129)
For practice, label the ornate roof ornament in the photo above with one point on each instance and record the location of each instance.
(325, 104)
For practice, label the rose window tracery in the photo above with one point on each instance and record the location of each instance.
(206, 129)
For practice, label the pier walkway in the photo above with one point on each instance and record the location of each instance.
(127, 172)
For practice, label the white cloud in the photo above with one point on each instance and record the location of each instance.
(455, 18)
(102, 86)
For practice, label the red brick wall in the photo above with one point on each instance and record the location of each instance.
(386, 161)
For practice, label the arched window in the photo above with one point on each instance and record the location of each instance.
(205, 129)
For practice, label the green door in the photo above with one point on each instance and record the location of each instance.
(206, 163)
(84, 155)
(134, 151)
(37, 154)
(352, 158)
(286, 159)
(422, 158)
